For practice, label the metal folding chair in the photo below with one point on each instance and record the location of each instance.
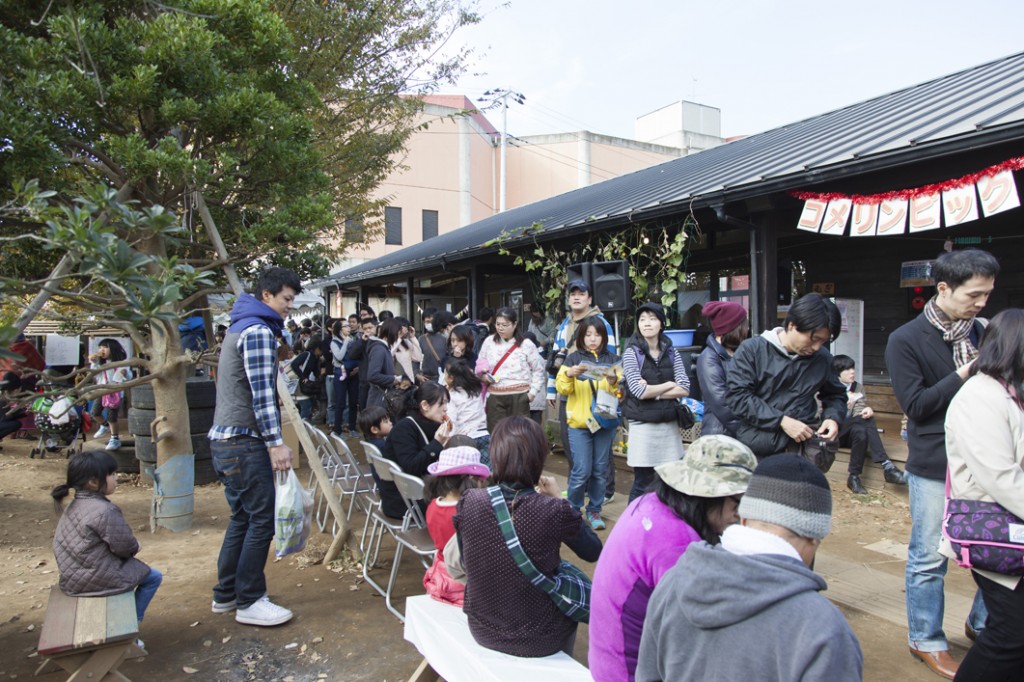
(381, 523)
(332, 464)
(413, 534)
(357, 481)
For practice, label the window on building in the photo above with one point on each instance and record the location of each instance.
(393, 225)
(354, 232)
(429, 224)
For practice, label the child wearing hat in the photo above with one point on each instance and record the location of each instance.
(457, 469)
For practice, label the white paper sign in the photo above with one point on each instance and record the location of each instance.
(959, 205)
(836, 216)
(810, 218)
(998, 193)
(892, 217)
(62, 350)
(864, 220)
(925, 213)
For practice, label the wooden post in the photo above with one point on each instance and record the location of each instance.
(287, 402)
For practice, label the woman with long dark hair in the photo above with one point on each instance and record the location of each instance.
(415, 441)
(985, 450)
(512, 367)
(694, 499)
(506, 611)
(109, 351)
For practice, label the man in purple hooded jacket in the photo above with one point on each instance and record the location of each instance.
(247, 446)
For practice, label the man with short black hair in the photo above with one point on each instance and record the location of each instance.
(247, 446)
(776, 380)
(434, 343)
(929, 358)
(581, 306)
(750, 608)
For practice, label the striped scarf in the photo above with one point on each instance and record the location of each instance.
(957, 333)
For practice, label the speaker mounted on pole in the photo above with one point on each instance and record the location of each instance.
(611, 286)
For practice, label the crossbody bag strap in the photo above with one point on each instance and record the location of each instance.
(508, 531)
(494, 372)
(426, 441)
(433, 351)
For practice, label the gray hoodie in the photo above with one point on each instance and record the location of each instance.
(721, 616)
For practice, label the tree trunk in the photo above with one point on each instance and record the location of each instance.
(174, 489)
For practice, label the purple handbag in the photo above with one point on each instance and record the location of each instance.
(984, 535)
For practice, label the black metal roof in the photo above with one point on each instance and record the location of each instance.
(971, 108)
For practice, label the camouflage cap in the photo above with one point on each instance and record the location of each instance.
(714, 466)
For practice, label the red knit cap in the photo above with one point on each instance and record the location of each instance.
(724, 316)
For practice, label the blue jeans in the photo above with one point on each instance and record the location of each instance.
(243, 466)
(591, 453)
(145, 590)
(305, 408)
(926, 568)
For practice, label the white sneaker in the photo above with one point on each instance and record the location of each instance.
(225, 607)
(263, 612)
(114, 443)
(102, 431)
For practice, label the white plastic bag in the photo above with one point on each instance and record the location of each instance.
(293, 514)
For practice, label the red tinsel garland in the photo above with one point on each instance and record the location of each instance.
(969, 179)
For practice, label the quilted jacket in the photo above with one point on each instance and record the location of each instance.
(95, 548)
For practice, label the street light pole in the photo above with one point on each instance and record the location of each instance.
(499, 97)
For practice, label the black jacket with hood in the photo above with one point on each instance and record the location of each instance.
(767, 383)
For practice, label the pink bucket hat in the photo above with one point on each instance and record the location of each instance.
(458, 461)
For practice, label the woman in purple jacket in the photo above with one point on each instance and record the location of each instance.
(694, 499)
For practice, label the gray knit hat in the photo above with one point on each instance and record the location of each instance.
(788, 491)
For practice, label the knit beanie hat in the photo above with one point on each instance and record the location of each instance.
(655, 309)
(786, 490)
(724, 316)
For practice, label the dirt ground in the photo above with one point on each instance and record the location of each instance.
(342, 630)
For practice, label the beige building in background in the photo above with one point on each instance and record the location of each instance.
(450, 173)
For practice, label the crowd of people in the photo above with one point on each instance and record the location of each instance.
(717, 542)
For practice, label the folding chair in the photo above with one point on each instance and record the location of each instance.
(357, 481)
(332, 465)
(413, 534)
(385, 469)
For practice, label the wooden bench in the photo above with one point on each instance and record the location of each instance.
(441, 633)
(89, 637)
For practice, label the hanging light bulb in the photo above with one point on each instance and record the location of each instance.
(647, 240)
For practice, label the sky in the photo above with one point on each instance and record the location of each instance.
(598, 64)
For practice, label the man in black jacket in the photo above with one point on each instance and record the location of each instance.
(776, 380)
(928, 359)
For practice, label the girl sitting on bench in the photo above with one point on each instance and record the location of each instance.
(93, 544)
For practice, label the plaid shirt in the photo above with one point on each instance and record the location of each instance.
(258, 348)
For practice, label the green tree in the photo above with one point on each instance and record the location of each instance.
(282, 115)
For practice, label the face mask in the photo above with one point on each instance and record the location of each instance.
(428, 327)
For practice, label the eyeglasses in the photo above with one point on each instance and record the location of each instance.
(504, 325)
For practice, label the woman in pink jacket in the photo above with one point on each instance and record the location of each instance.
(694, 499)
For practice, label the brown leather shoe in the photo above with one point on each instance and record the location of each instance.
(940, 662)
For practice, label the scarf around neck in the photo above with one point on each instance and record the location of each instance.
(957, 333)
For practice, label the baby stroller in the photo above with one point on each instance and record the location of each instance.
(60, 424)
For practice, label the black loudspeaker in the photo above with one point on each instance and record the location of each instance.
(611, 286)
(584, 271)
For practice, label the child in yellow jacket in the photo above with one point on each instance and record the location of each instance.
(590, 438)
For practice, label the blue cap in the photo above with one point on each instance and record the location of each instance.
(580, 285)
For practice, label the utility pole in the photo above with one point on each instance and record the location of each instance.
(499, 97)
